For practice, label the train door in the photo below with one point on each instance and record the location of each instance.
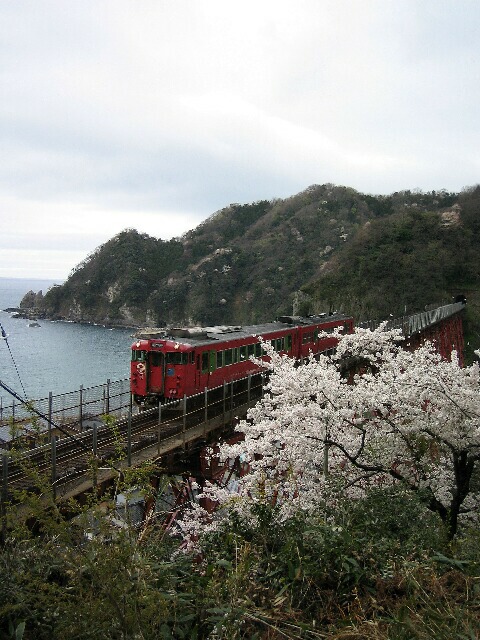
(295, 346)
(208, 363)
(213, 361)
(198, 370)
(157, 372)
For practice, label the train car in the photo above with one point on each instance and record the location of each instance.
(184, 361)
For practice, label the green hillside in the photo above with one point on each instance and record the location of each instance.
(326, 247)
(415, 256)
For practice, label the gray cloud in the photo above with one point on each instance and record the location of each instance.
(155, 114)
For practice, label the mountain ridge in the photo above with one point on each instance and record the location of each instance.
(327, 247)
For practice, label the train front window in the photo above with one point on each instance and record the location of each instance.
(156, 359)
(138, 356)
(176, 357)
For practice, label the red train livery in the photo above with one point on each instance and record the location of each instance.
(170, 364)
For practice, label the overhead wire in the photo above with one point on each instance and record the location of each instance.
(5, 337)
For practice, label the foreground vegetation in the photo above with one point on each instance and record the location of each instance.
(379, 568)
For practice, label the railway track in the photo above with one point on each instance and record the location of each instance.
(75, 455)
(109, 445)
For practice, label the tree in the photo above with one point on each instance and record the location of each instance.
(409, 418)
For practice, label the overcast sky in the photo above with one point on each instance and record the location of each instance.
(155, 114)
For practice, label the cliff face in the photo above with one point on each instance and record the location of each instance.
(247, 263)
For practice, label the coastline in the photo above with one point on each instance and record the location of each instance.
(19, 313)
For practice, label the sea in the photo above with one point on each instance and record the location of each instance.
(56, 356)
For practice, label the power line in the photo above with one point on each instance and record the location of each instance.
(5, 337)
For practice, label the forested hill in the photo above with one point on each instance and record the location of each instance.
(364, 254)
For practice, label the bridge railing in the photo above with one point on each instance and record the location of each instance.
(154, 432)
(418, 321)
(74, 410)
(79, 411)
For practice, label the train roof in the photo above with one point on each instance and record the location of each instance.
(201, 336)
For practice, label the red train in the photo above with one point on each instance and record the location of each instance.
(169, 365)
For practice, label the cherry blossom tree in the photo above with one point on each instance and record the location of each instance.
(407, 417)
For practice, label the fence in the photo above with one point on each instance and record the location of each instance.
(418, 321)
(73, 410)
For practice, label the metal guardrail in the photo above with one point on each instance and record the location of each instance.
(417, 321)
(73, 410)
(420, 321)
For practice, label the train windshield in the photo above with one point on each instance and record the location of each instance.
(138, 356)
(175, 357)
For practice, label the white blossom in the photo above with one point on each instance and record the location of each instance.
(407, 417)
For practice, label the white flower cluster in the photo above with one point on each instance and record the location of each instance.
(407, 417)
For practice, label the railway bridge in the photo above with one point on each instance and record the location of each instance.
(443, 326)
(92, 452)
(87, 452)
